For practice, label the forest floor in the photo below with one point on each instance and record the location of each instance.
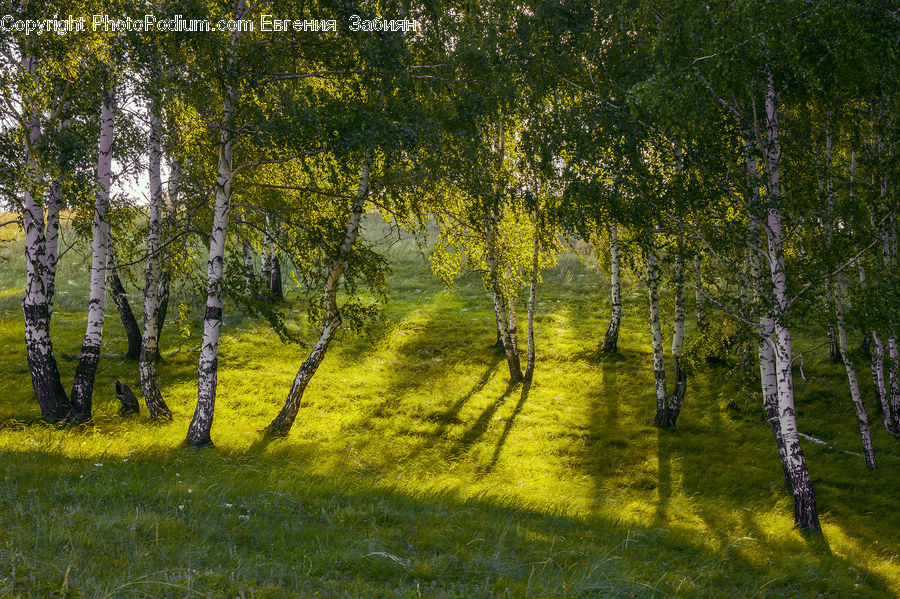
(415, 470)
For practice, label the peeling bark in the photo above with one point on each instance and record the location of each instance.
(282, 423)
(611, 340)
(83, 385)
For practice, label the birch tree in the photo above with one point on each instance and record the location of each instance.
(83, 384)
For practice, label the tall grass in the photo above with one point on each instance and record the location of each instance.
(414, 469)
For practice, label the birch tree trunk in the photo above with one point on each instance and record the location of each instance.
(249, 267)
(858, 405)
(156, 405)
(837, 296)
(207, 369)
(767, 374)
(120, 299)
(514, 329)
(164, 276)
(500, 303)
(37, 303)
(532, 302)
(265, 270)
(275, 286)
(282, 423)
(611, 340)
(893, 381)
(699, 300)
(273, 283)
(676, 401)
(805, 510)
(877, 363)
(54, 198)
(83, 385)
(659, 359)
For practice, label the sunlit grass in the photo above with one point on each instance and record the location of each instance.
(414, 469)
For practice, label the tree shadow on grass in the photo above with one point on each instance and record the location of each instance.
(222, 523)
(523, 397)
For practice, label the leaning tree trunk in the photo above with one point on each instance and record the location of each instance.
(37, 303)
(282, 423)
(611, 340)
(83, 385)
(806, 513)
(676, 401)
(532, 302)
(156, 405)
(659, 359)
(855, 396)
(120, 298)
(837, 297)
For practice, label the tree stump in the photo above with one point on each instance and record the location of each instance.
(129, 401)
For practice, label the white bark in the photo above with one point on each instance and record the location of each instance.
(249, 268)
(207, 370)
(83, 385)
(767, 373)
(37, 303)
(837, 295)
(156, 405)
(532, 302)
(894, 380)
(500, 301)
(805, 511)
(54, 198)
(659, 359)
(676, 401)
(611, 340)
(282, 423)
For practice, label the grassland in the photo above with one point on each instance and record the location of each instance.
(415, 470)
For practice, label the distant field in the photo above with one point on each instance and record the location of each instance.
(414, 470)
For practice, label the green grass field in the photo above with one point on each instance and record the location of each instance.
(414, 470)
